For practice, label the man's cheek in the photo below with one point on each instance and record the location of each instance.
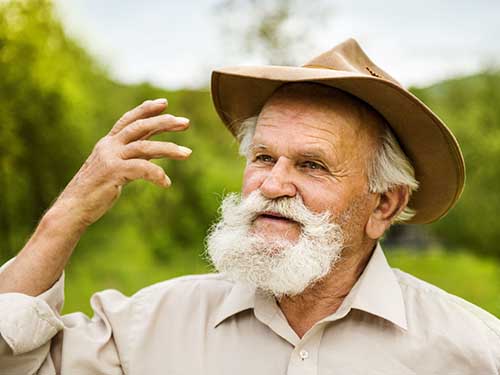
(252, 179)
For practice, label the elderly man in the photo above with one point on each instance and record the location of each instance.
(336, 152)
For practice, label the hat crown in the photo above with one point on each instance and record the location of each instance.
(349, 57)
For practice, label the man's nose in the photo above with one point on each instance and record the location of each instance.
(278, 183)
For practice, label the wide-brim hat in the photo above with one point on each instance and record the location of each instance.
(239, 92)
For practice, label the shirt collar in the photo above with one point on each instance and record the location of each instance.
(377, 292)
(241, 297)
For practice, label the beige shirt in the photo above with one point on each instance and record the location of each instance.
(390, 323)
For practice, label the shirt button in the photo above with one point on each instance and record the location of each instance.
(303, 354)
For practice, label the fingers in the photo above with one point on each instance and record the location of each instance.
(154, 150)
(134, 169)
(145, 128)
(147, 109)
(128, 140)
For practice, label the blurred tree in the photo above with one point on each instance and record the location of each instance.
(470, 108)
(43, 102)
(56, 102)
(279, 31)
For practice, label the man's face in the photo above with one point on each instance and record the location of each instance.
(311, 143)
(305, 192)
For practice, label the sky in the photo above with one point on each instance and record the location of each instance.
(176, 44)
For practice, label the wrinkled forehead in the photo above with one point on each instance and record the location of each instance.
(340, 117)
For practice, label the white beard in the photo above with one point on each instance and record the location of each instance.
(277, 265)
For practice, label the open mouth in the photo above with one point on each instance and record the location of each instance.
(274, 216)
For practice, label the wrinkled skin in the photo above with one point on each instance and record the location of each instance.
(315, 142)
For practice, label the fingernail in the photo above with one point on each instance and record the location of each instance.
(160, 101)
(183, 120)
(185, 150)
(167, 181)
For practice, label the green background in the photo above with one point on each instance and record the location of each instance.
(57, 101)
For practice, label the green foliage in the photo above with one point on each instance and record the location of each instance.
(470, 108)
(56, 102)
(44, 99)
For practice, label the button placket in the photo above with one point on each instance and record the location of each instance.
(304, 359)
(303, 354)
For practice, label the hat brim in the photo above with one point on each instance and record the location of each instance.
(240, 92)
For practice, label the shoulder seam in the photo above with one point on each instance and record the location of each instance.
(209, 277)
(453, 299)
(470, 311)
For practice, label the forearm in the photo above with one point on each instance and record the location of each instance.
(120, 157)
(43, 258)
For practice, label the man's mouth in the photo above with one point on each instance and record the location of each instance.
(274, 216)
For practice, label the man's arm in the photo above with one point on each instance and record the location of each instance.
(121, 156)
(35, 338)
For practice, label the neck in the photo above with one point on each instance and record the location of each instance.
(325, 297)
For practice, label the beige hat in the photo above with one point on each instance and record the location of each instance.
(240, 92)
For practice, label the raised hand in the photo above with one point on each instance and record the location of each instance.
(122, 156)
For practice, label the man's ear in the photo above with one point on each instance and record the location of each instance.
(388, 206)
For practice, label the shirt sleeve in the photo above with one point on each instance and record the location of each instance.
(35, 338)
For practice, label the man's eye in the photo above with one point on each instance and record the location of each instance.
(312, 165)
(264, 158)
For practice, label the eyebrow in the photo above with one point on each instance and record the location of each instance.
(314, 155)
(258, 146)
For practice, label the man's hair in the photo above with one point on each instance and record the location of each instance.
(389, 167)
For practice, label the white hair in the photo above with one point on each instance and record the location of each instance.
(389, 168)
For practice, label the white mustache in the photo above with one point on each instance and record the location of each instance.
(291, 208)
